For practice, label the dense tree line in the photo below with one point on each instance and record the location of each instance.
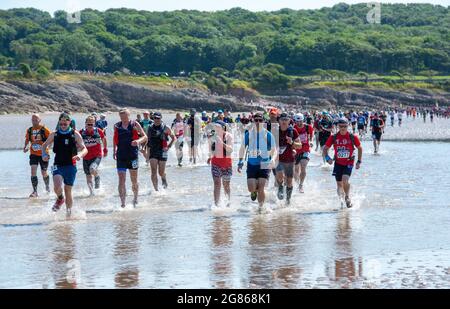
(238, 43)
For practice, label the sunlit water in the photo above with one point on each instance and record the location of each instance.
(397, 235)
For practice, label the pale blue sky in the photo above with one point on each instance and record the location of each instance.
(203, 5)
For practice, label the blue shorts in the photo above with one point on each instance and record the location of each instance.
(68, 173)
(340, 170)
(256, 172)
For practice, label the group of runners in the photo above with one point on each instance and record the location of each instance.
(272, 142)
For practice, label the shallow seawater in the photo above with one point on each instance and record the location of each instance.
(397, 235)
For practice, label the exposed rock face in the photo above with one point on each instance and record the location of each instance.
(86, 96)
(323, 97)
(97, 95)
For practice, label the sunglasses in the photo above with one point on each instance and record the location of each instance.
(285, 119)
(89, 124)
(258, 120)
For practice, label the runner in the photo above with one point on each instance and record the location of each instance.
(289, 141)
(305, 132)
(102, 123)
(128, 135)
(392, 115)
(178, 129)
(325, 129)
(344, 144)
(221, 147)
(146, 122)
(194, 126)
(361, 125)
(36, 136)
(158, 134)
(262, 151)
(377, 126)
(399, 117)
(93, 138)
(66, 142)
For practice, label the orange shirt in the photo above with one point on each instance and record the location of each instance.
(36, 139)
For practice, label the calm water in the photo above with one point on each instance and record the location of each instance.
(397, 235)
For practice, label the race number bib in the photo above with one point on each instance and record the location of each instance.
(303, 138)
(36, 147)
(343, 153)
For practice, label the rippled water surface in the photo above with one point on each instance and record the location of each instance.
(397, 235)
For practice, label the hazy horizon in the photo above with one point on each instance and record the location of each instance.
(201, 5)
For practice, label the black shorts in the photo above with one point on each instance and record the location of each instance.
(323, 137)
(361, 127)
(353, 123)
(340, 170)
(376, 135)
(256, 172)
(37, 160)
(91, 164)
(124, 165)
(301, 156)
(158, 155)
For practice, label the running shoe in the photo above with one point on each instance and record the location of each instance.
(34, 194)
(254, 196)
(348, 202)
(300, 189)
(164, 183)
(57, 206)
(280, 192)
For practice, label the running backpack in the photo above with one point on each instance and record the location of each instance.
(352, 138)
(41, 133)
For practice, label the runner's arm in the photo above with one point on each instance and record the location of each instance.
(49, 141)
(297, 144)
(172, 137)
(82, 150)
(142, 134)
(27, 141)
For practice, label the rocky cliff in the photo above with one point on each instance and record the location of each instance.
(98, 95)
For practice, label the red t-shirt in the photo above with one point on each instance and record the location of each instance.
(93, 143)
(304, 133)
(343, 149)
(286, 151)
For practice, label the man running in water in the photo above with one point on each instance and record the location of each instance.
(93, 139)
(158, 134)
(344, 144)
(305, 132)
(194, 125)
(146, 122)
(262, 150)
(400, 117)
(69, 148)
(221, 147)
(36, 136)
(102, 123)
(178, 129)
(361, 124)
(325, 129)
(128, 135)
(289, 140)
(377, 126)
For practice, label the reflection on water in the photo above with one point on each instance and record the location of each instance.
(221, 255)
(64, 271)
(274, 251)
(346, 269)
(126, 253)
